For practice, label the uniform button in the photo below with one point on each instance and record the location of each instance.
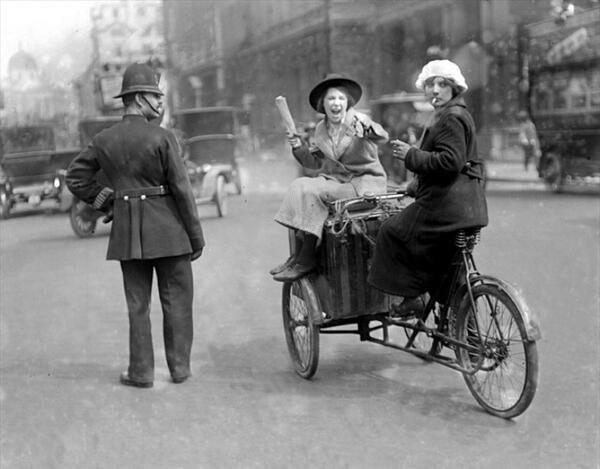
(143, 197)
(126, 197)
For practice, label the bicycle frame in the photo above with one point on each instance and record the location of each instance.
(475, 324)
(462, 275)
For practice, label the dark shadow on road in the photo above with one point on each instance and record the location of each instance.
(351, 374)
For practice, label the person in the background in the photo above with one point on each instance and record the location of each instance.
(414, 247)
(345, 154)
(156, 225)
(528, 140)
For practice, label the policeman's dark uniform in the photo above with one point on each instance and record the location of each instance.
(155, 227)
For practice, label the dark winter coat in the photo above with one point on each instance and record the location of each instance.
(413, 247)
(135, 154)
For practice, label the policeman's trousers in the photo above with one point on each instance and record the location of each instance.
(176, 290)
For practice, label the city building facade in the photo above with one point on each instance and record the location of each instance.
(28, 99)
(123, 32)
(245, 53)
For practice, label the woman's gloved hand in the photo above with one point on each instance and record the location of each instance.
(361, 124)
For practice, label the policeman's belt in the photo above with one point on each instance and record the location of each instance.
(143, 192)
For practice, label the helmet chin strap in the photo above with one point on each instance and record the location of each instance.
(151, 106)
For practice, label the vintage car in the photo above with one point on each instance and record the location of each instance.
(403, 115)
(213, 144)
(31, 169)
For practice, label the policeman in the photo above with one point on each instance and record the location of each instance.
(155, 222)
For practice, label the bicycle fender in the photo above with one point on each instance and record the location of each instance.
(310, 293)
(532, 327)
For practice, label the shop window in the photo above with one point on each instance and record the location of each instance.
(578, 91)
(542, 94)
(595, 89)
(561, 92)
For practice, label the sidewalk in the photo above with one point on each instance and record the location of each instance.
(510, 171)
(273, 170)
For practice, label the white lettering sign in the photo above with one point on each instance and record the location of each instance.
(567, 46)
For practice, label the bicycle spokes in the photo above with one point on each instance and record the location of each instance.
(496, 354)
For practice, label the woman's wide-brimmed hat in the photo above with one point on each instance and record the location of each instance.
(333, 80)
(444, 69)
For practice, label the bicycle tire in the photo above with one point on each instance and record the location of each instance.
(299, 304)
(506, 381)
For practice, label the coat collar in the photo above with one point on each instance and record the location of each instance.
(437, 115)
(335, 149)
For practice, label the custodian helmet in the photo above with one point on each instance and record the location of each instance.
(139, 78)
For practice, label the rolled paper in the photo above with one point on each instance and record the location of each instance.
(286, 115)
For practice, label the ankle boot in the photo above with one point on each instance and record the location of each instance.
(304, 263)
(298, 239)
(308, 251)
(410, 307)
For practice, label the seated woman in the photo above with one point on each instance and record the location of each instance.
(414, 247)
(345, 155)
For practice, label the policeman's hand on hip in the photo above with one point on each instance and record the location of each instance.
(196, 254)
(109, 215)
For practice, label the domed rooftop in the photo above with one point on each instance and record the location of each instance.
(22, 61)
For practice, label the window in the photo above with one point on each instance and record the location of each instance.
(578, 91)
(595, 89)
(561, 83)
(542, 94)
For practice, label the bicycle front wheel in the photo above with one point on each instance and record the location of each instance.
(301, 333)
(504, 368)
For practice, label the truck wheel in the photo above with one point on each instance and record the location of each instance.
(4, 205)
(220, 196)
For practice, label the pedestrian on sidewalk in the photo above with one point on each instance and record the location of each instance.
(346, 161)
(415, 246)
(528, 140)
(155, 222)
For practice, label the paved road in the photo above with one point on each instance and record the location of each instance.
(63, 332)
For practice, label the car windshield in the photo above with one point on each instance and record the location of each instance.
(207, 122)
(24, 139)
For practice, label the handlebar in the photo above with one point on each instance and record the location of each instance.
(369, 198)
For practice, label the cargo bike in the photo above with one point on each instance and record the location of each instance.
(476, 324)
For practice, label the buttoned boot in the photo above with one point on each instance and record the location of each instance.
(298, 239)
(303, 264)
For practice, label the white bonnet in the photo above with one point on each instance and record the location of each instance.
(444, 69)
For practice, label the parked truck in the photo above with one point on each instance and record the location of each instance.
(564, 97)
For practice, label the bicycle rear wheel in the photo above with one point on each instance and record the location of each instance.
(507, 364)
(301, 333)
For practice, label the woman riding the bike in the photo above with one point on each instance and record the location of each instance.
(345, 155)
(414, 247)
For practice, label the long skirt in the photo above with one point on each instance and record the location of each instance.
(411, 255)
(304, 207)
